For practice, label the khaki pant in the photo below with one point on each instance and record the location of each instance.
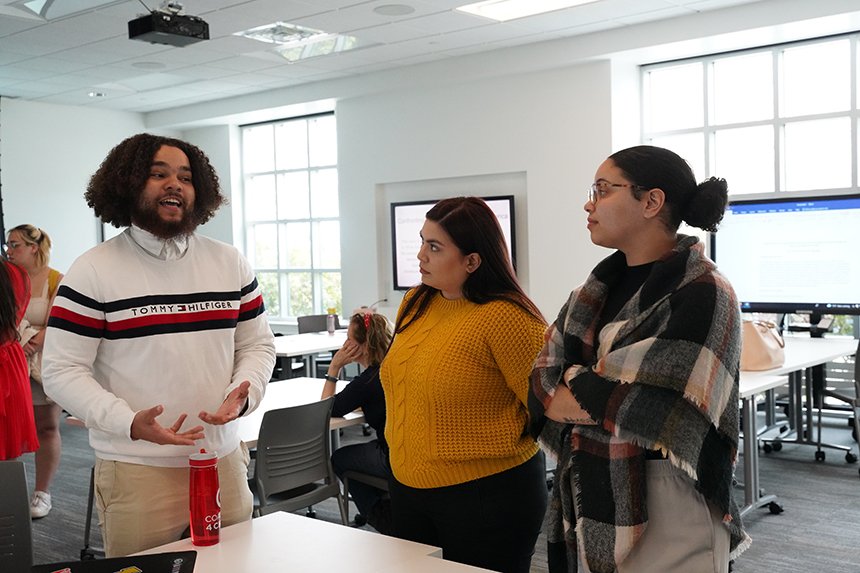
(141, 507)
(684, 534)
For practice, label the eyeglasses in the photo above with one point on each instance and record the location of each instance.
(600, 189)
(12, 245)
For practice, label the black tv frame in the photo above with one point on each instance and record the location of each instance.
(814, 309)
(430, 202)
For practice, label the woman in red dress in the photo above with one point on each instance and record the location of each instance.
(17, 428)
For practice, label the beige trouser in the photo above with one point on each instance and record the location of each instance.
(141, 507)
(685, 534)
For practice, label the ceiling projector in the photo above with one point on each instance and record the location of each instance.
(168, 28)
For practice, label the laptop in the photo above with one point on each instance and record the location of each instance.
(168, 562)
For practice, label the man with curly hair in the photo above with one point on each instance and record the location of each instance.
(152, 326)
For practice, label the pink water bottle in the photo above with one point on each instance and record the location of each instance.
(205, 498)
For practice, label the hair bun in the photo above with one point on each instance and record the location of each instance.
(706, 207)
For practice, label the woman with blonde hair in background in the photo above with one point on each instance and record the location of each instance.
(30, 248)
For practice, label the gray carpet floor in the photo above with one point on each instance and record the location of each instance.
(818, 532)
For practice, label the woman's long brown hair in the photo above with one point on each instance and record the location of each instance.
(473, 227)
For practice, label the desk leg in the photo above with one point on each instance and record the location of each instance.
(770, 408)
(752, 492)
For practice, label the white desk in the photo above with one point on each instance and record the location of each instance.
(286, 393)
(801, 354)
(288, 542)
(307, 345)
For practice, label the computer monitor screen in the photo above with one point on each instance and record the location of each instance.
(790, 255)
(407, 218)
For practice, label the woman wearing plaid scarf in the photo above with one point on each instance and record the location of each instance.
(636, 388)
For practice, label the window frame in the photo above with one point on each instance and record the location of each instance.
(778, 121)
(319, 304)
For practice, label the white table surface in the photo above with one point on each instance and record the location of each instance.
(286, 393)
(805, 352)
(288, 542)
(309, 343)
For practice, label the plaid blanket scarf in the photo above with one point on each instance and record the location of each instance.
(662, 375)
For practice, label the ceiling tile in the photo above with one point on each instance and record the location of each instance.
(60, 60)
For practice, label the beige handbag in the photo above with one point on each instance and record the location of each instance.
(762, 346)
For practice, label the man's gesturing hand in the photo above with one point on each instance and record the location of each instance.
(145, 427)
(230, 408)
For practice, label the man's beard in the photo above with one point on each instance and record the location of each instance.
(146, 217)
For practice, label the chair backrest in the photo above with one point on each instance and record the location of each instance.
(293, 448)
(315, 323)
(16, 545)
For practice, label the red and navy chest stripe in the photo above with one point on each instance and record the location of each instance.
(151, 315)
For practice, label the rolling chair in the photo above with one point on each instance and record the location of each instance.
(293, 468)
(16, 541)
(853, 403)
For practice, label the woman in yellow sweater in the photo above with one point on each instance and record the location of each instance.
(467, 475)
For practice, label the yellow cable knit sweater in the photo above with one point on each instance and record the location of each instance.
(456, 387)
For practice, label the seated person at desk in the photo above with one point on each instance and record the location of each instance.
(368, 338)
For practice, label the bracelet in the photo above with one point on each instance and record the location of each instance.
(331, 378)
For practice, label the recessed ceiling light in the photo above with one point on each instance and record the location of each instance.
(148, 65)
(504, 10)
(295, 43)
(394, 10)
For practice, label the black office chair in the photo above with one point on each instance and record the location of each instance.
(315, 323)
(853, 403)
(89, 552)
(16, 542)
(293, 468)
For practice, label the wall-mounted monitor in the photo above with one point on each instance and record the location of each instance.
(789, 255)
(407, 218)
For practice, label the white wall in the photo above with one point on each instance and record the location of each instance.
(48, 154)
(554, 126)
(220, 144)
(475, 115)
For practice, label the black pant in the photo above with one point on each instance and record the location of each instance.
(368, 458)
(491, 522)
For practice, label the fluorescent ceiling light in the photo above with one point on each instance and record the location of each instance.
(504, 10)
(295, 43)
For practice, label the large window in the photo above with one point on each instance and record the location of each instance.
(290, 207)
(776, 119)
